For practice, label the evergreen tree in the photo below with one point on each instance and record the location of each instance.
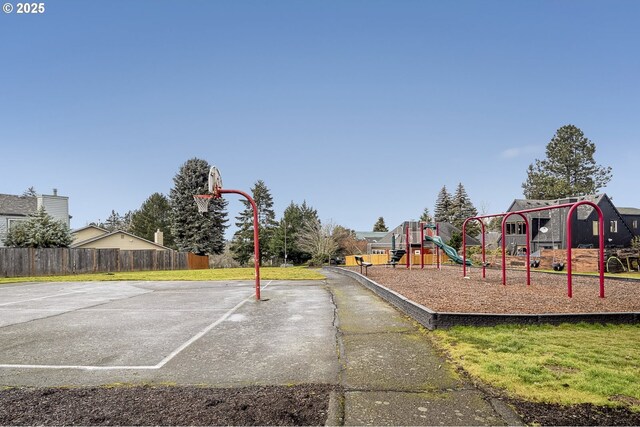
(285, 235)
(462, 208)
(380, 225)
(30, 192)
(153, 215)
(426, 216)
(114, 222)
(195, 232)
(242, 243)
(569, 169)
(40, 230)
(444, 206)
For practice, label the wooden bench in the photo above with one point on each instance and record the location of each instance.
(362, 263)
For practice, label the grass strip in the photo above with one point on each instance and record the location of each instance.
(266, 273)
(566, 364)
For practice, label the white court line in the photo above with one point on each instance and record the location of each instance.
(163, 362)
(45, 297)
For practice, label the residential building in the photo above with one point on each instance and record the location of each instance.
(14, 209)
(549, 230)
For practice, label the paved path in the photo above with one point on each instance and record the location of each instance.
(216, 334)
(392, 375)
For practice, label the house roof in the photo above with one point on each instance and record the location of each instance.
(113, 233)
(17, 205)
(370, 236)
(86, 227)
(629, 211)
(583, 211)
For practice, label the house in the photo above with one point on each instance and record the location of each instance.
(631, 217)
(93, 237)
(548, 227)
(14, 209)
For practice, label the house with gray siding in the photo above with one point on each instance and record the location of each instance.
(549, 230)
(14, 209)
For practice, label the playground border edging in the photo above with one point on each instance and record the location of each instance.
(433, 320)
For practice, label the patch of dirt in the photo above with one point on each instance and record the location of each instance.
(546, 414)
(445, 290)
(150, 405)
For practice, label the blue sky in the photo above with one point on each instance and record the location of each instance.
(361, 108)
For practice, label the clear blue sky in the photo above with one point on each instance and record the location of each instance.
(361, 108)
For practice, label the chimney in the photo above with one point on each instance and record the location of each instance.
(55, 191)
(158, 237)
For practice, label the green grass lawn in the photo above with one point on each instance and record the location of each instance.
(564, 364)
(266, 273)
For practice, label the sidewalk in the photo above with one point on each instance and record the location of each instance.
(391, 374)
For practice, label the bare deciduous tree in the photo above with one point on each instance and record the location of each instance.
(318, 240)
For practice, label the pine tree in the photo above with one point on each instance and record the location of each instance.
(195, 232)
(380, 226)
(426, 216)
(242, 243)
(568, 170)
(153, 215)
(462, 209)
(285, 235)
(444, 205)
(40, 230)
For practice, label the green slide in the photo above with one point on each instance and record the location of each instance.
(451, 253)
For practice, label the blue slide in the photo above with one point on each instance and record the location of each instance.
(451, 253)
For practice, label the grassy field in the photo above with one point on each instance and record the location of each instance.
(564, 364)
(266, 273)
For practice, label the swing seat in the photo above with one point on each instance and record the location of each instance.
(486, 264)
(535, 263)
(558, 266)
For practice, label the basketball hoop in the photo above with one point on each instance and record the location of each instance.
(203, 200)
(215, 181)
(214, 186)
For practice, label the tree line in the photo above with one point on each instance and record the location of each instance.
(569, 169)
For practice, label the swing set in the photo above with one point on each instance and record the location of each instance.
(558, 266)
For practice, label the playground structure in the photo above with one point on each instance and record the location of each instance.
(522, 213)
(216, 191)
(406, 252)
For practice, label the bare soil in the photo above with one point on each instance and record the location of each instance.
(446, 290)
(167, 406)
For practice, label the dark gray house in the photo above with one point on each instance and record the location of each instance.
(548, 228)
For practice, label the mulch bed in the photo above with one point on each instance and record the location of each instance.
(147, 405)
(445, 290)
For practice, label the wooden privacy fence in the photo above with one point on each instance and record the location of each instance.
(382, 259)
(16, 262)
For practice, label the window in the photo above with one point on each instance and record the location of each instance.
(635, 223)
(595, 228)
(522, 228)
(12, 222)
(613, 226)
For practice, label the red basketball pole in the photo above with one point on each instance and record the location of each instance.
(256, 237)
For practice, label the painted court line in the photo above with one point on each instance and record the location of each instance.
(39, 298)
(163, 362)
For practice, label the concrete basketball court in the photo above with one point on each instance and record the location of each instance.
(209, 333)
(216, 334)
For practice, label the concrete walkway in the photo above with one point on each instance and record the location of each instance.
(391, 374)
